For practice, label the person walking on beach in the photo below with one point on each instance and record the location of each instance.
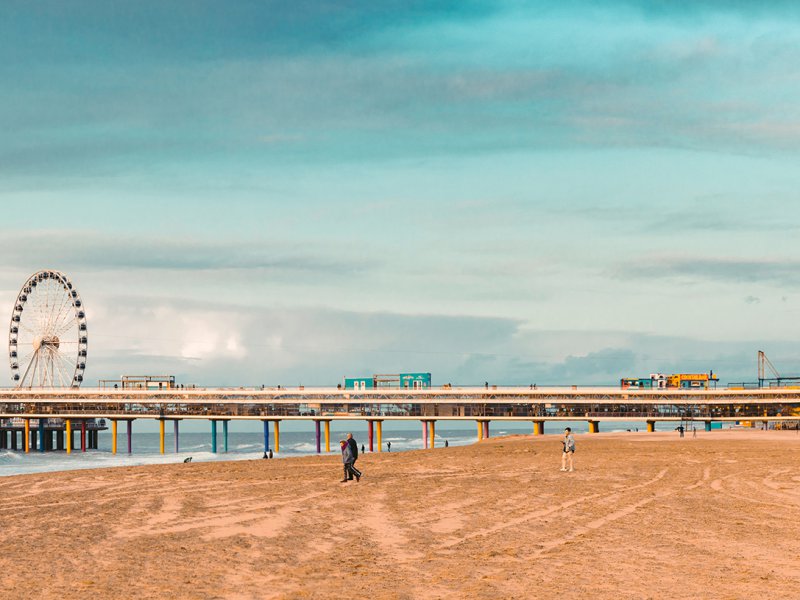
(568, 450)
(348, 461)
(351, 441)
(389, 446)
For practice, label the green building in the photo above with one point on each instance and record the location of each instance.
(400, 380)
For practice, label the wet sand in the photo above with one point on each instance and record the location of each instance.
(644, 516)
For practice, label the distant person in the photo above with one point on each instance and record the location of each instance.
(348, 460)
(363, 449)
(486, 385)
(446, 444)
(389, 446)
(694, 431)
(353, 449)
(270, 452)
(681, 429)
(567, 450)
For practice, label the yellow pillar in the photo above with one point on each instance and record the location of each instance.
(26, 443)
(379, 427)
(69, 436)
(161, 435)
(432, 432)
(113, 437)
(277, 436)
(651, 426)
(480, 431)
(538, 428)
(327, 436)
(593, 427)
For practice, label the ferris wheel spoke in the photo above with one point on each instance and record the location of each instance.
(63, 311)
(33, 364)
(68, 368)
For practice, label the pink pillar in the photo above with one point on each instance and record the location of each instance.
(425, 434)
(486, 430)
(83, 436)
(370, 425)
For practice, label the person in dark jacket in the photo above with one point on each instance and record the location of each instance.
(348, 460)
(354, 448)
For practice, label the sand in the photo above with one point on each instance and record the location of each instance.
(644, 516)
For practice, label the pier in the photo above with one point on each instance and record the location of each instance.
(48, 419)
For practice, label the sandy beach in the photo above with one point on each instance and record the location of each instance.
(644, 516)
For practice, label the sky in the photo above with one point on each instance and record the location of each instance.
(252, 193)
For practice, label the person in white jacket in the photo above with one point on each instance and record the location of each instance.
(568, 450)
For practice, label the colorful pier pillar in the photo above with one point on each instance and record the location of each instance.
(379, 425)
(370, 431)
(69, 436)
(708, 425)
(213, 436)
(594, 427)
(266, 436)
(424, 434)
(161, 435)
(41, 435)
(317, 427)
(486, 430)
(225, 436)
(26, 439)
(480, 430)
(130, 436)
(177, 435)
(538, 428)
(83, 435)
(651, 426)
(432, 433)
(114, 436)
(277, 436)
(327, 436)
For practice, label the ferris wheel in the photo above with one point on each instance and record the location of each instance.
(47, 340)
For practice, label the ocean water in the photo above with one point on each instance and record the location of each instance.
(244, 443)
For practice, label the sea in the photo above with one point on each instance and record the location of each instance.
(246, 442)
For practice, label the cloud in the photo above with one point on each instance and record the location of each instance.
(782, 272)
(99, 251)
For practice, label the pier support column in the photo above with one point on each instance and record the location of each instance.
(708, 425)
(225, 436)
(130, 436)
(379, 425)
(318, 435)
(370, 432)
(83, 435)
(213, 436)
(425, 434)
(3, 439)
(538, 428)
(176, 429)
(13, 439)
(327, 436)
(26, 438)
(161, 436)
(651, 426)
(266, 436)
(41, 435)
(277, 428)
(594, 427)
(68, 435)
(480, 430)
(486, 430)
(59, 439)
(432, 433)
(114, 436)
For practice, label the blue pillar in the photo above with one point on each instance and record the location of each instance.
(225, 435)
(176, 435)
(213, 436)
(41, 435)
(266, 436)
(708, 425)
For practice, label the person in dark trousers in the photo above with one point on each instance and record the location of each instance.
(680, 429)
(348, 461)
(354, 449)
(446, 444)
(363, 449)
(389, 446)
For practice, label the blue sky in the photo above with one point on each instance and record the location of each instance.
(518, 192)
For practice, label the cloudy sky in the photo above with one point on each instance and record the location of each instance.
(289, 192)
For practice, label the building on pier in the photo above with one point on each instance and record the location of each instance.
(413, 381)
(140, 382)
